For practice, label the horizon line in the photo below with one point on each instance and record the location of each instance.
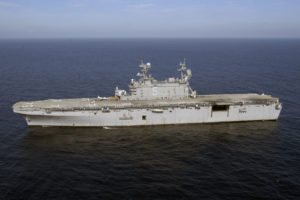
(75, 38)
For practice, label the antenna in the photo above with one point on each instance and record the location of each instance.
(145, 68)
(182, 68)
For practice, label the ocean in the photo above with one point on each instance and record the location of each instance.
(251, 160)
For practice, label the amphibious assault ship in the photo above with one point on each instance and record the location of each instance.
(151, 102)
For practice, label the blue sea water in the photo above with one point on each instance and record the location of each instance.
(253, 160)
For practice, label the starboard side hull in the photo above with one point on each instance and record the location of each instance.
(142, 117)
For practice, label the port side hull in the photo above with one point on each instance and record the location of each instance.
(142, 117)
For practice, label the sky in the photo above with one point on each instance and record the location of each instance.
(150, 18)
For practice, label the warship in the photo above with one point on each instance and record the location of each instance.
(151, 102)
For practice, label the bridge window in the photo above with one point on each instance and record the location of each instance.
(144, 117)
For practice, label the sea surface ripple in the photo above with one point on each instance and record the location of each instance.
(252, 160)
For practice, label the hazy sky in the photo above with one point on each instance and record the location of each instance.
(149, 18)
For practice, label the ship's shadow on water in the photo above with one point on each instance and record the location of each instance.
(153, 136)
(182, 161)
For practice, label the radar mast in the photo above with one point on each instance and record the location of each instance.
(182, 69)
(145, 67)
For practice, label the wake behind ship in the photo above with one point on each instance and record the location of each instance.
(151, 102)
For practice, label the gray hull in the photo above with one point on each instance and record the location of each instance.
(203, 109)
(151, 102)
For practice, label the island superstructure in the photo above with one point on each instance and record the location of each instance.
(151, 102)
